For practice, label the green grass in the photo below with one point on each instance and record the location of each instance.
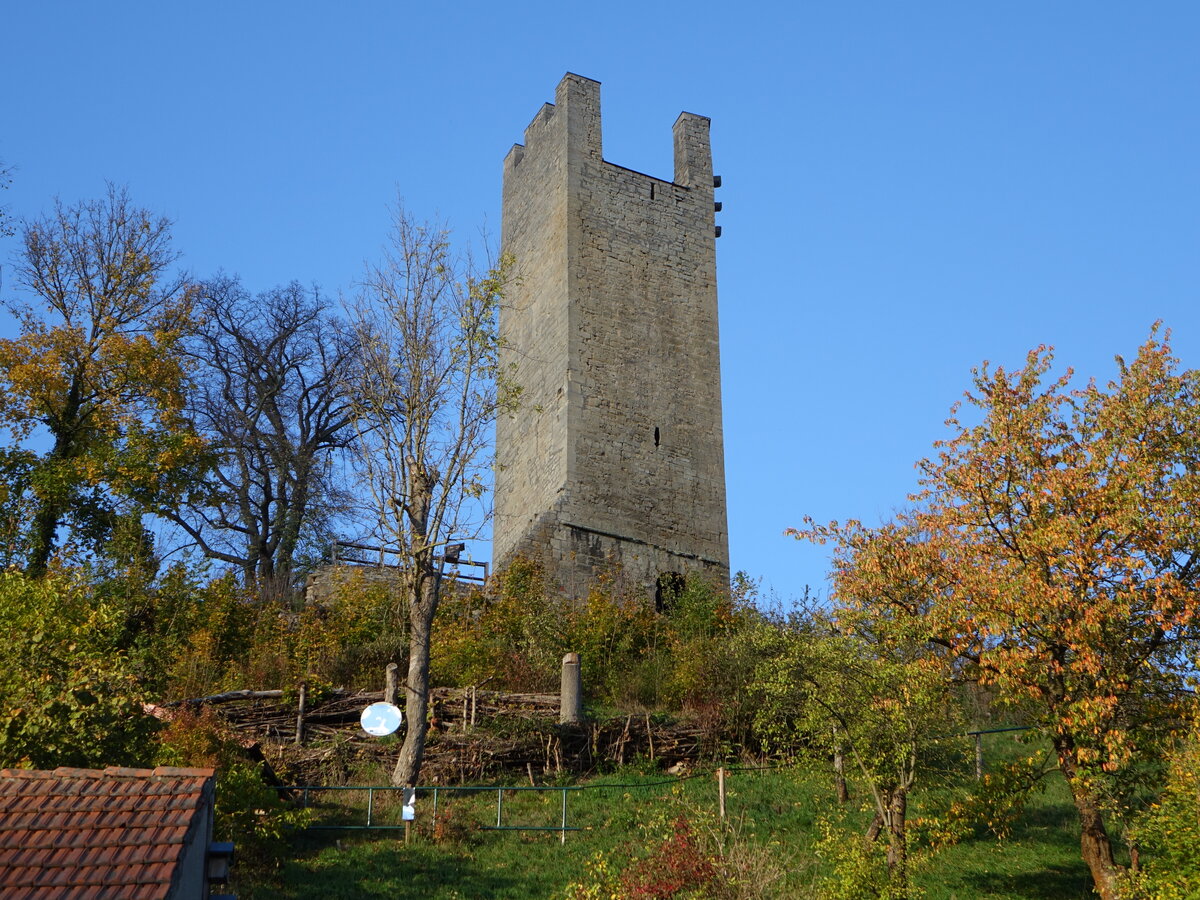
(1039, 860)
(777, 810)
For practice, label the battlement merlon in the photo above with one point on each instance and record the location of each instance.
(578, 99)
(539, 124)
(693, 152)
(576, 111)
(575, 114)
(513, 157)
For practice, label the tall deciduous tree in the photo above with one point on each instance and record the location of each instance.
(272, 373)
(97, 368)
(1059, 552)
(424, 405)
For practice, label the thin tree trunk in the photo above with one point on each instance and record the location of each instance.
(416, 705)
(874, 829)
(1095, 844)
(897, 854)
(1097, 848)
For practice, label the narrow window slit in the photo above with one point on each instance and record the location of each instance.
(655, 435)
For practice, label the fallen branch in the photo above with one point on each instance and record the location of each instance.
(229, 697)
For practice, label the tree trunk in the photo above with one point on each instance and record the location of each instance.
(897, 854)
(1095, 844)
(45, 527)
(416, 705)
(874, 829)
(53, 506)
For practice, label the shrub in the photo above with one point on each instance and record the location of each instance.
(514, 641)
(686, 852)
(857, 870)
(1168, 833)
(69, 694)
(249, 812)
(675, 867)
(210, 634)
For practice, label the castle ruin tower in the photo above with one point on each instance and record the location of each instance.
(615, 459)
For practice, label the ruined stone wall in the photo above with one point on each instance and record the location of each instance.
(616, 456)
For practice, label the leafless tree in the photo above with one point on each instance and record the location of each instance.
(5, 218)
(271, 378)
(430, 389)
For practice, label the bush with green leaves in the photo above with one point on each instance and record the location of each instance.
(223, 637)
(513, 639)
(689, 656)
(1168, 832)
(69, 692)
(856, 869)
(249, 812)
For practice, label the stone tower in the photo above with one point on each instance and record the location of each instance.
(615, 458)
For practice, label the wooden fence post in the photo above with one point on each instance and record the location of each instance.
(300, 710)
(391, 681)
(721, 790)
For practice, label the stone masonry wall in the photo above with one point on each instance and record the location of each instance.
(616, 456)
(531, 447)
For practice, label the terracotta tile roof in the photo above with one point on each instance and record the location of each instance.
(85, 834)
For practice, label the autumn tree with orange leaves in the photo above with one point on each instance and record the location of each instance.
(97, 371)
(1055, 549)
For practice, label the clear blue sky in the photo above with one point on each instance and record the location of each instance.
(909, 189)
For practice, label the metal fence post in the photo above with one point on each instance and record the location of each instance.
(562, 835)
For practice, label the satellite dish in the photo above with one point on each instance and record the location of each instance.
(380, 719)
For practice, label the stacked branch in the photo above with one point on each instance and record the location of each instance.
(475, 735)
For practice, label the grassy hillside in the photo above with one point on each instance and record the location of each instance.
(773, 838)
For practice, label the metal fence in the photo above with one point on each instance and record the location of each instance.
(307, 792)
(369, 819)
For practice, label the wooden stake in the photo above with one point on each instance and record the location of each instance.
(721, 790)
(300, 713)
(391, 680)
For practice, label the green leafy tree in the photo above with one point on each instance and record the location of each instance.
(69, 692)
(869, 688)
(96, 368)
(1056, 547)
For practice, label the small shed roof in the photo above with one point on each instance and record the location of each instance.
(86, 834)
